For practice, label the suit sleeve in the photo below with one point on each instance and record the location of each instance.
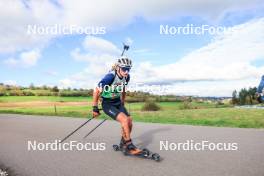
(261, 85)
(107, 80)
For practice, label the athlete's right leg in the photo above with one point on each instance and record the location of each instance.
(130, 124)
(123, 134)
(125, 125)
(124, 110)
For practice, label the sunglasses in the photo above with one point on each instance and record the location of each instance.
(125, 69)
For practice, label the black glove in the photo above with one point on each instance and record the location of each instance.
(96, 109)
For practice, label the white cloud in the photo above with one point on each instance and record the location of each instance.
(210, 10)
(65, 83)
(98, 45)
(213, 70)
(99, 55)
(10, 82)
(11, 61)
(15, 15)
(51, 73)
(227, 59)
(97, 51)
(30, 58)
(14, 18)
(211, 88)
(25, 60)
(117, 13)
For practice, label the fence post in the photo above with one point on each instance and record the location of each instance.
(55, 109)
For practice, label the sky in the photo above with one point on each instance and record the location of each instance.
(166, 62)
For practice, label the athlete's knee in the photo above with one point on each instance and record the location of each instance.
(122, 118)
(126, 121)
(129, 120)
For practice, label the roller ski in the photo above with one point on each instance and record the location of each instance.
(129, 149)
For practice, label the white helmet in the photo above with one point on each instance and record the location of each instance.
(124, 62)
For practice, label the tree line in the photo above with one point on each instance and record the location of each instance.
(31, 90)
(245, 96)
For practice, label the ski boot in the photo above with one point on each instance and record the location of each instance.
(122, 143)
(131, 149)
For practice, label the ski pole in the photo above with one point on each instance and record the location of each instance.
(94, 128)
(75, 130)
(126, 47)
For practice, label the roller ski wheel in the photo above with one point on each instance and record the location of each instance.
(146, 151)
(116, 147)
(155, 157)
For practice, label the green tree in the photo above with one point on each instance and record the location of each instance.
(44, 87)
(242, 96)
(31, 86)
(55, 89)
(234, 97)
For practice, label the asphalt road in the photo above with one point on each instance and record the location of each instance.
(17, 130)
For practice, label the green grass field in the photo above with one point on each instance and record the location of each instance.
(5, 99)
(207, 114)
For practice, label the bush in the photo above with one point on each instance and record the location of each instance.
(55, 89)
(135, 99)
(150, 106)
(28, 93)
(219, 104)
(66, 93)
(167, 99)
(42, 93)
(16, 93)
(186, 105)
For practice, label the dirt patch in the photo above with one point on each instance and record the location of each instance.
(41, 104)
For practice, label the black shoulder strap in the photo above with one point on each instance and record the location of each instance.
(113, 79)
(127, 79)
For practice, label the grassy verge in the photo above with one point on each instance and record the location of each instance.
(200, 114)
(6, 99)
(228, 117)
